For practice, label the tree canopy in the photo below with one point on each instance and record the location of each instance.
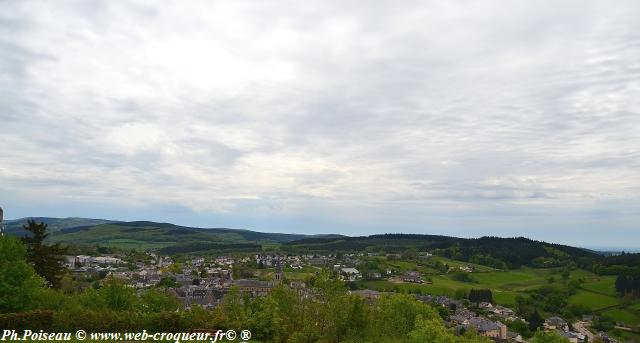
(18, 280)
(47, 260)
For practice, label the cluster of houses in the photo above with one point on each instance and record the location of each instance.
(269, 260)
(350, 274)
(498, 311)
(561, 327)
(490, 323)
(461, 318)
(205, 282)
(88, 265)
(412, 276)
(82, 261)
(606, 339)
(199, 281)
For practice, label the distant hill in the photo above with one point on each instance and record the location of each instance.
(14, 227)
(165, 237)
(169, 238)
(492, 251)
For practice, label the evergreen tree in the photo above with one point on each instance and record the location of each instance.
(480, 295)
(535, 321)
(47, 260)
(628, 285)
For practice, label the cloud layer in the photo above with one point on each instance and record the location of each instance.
(484, 118)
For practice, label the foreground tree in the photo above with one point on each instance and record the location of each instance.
(432, 331)
(541, 337)
(47, 260)
(18, 281)
(118, 297)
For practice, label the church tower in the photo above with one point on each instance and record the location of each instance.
(279, 272)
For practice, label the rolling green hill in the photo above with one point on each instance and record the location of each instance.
(168, 238)
(496, 252)
(14, 227)
(499, 253)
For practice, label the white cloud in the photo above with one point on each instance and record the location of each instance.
(296, 108)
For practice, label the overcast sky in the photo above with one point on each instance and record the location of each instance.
(465, 118)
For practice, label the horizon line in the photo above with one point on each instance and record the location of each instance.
(596, 248)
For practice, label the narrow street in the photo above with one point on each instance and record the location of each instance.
(581, 327)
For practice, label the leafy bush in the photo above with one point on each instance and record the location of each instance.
(32, 320)
(463, 277)
(18, 281)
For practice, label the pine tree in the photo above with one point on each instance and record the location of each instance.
(535, 321)
(47, 260)
(480, 295)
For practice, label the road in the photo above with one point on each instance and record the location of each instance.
(581, 327)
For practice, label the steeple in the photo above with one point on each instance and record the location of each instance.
(279, 272)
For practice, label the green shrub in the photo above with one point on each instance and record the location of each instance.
(33, 320)
(18, 281)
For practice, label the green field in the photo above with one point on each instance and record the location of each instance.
(605, 285)
(453, 263)
(593, 301)
(296, 275)
(300, 274)
(404, 266)
(623, 315)
(506, 286)
(507, 298)
(425, 266)
(513, 280)
(401, 266)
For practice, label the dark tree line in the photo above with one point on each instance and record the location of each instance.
(628, 285)
(496, 252)
(512, 252)
(480, 295)
(623, 259)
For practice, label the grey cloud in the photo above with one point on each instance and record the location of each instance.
(355, 110)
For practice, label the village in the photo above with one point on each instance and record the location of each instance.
(204, 282)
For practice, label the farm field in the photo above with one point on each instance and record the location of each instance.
(593, 301)
(624, 315)
(407, 266)
(506, 286)
(401, 266)
(424, 266)
(605, 285)
(512, 280)
(296, 275)
(453, 263)
(299, 274)
(595, 292)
